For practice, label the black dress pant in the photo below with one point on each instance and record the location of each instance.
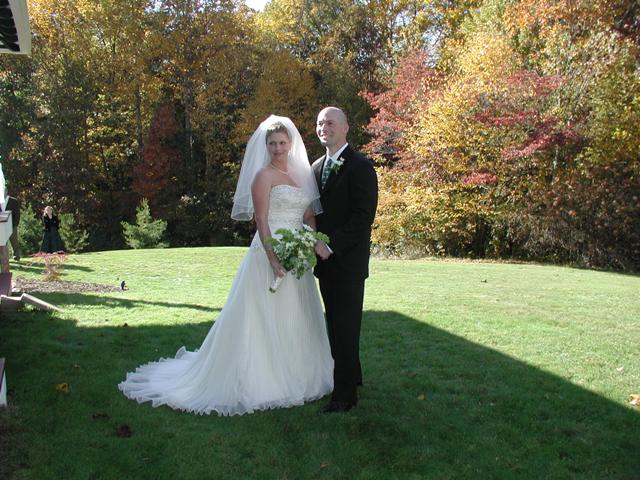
(343, 305)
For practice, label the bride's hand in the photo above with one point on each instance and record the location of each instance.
(278, 269)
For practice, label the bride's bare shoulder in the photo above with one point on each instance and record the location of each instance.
(264, 178)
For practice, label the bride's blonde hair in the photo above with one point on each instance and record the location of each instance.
(277, 127)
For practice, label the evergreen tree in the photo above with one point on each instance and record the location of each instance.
(147, 232)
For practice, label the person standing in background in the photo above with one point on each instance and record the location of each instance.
(51, 241)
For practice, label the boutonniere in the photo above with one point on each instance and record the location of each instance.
(336, 165)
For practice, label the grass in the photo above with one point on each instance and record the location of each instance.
(472, 370)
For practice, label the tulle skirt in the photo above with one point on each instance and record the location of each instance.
(265, 350)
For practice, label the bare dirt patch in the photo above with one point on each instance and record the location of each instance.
(59, 286)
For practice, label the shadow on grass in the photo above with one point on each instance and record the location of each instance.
(434, 405)
(38, 267)
(626, 273)
(508, 261)
(480, 408)
(61, 299)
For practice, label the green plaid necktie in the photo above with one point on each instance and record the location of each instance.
(326, 171)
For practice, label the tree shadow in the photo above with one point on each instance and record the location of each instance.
(38, 267)
(625, 273)
(87, 299)
(514, 261)
(481, 409)
(433, 405)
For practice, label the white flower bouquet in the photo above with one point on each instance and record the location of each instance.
(295, 250)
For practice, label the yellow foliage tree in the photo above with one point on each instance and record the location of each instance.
(448, 134)
(285, 88)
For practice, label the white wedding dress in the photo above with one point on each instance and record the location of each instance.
(265, 350)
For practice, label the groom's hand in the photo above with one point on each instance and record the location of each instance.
(322, 250)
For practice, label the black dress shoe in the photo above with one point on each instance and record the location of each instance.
(336, 407)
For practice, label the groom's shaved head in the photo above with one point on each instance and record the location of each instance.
(338, 114)
(332, 128)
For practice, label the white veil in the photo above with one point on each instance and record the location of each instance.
(256, 157)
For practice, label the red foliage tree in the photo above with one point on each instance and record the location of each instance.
(152, 175)
(411, 85)
(523, 107)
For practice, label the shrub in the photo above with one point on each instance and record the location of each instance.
(53, 263)
(416, 217)
(74, 238)
(29, 231)
(146, 233)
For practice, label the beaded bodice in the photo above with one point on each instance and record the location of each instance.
(286, 207)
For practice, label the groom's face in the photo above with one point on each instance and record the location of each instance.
(331, 129)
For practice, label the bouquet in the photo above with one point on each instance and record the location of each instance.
(295, 250)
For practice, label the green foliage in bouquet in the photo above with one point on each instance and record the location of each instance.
(295, 249)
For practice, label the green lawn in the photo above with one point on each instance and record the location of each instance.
(472, 370)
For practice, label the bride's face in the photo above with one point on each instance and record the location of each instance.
(278, 146)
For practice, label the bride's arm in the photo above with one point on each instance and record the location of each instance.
(260, 190)
(321, 248)
(309, 218)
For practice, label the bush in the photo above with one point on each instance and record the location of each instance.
(29, 231)
(74, 238)
(53, 263)
(417, 218)
(146, 233)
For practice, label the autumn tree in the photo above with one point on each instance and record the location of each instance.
(348, 46)
(285, 87)
(396, 109)
(160, 154)
(516, 150)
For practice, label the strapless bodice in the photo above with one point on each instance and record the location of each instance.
(287, 205)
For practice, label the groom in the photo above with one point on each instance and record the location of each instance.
(349, 195)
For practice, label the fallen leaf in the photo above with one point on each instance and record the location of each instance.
(324, 465)
(634, 399)
(421, 396)
(620, 369)
(123, 431)
(63, 387)
(75, 365)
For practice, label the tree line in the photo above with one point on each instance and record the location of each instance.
(500, 128)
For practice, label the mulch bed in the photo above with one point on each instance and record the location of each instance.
(59, 286)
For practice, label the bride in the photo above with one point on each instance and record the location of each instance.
(265, 350)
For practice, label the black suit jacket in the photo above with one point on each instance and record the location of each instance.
(349, 201)
(13, 204)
